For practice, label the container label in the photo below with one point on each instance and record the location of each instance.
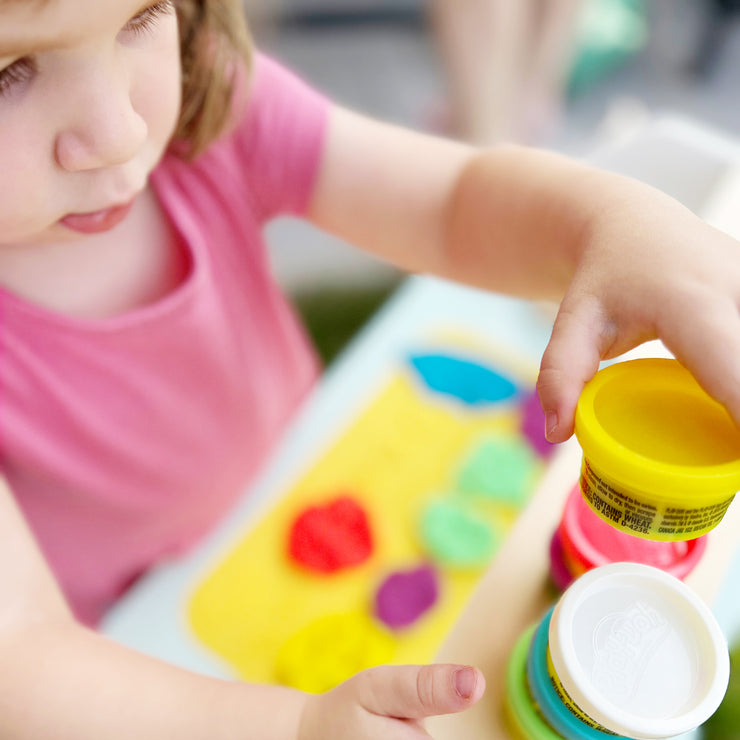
(568, 702)
(629, 514)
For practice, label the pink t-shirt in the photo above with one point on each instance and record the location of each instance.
(126, 439)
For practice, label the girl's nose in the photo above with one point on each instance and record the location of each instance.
(104, 129)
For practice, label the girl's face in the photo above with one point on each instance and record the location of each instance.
(89, 98)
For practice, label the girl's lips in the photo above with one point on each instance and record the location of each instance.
(98, 221)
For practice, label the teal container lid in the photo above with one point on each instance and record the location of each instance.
(529, 723)
(543, 693)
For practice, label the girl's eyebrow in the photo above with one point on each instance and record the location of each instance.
(12, 47)
(35, 3)
(14, 4)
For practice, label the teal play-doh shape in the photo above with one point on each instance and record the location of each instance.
(470, 382)
(456, 536)
(501, 469)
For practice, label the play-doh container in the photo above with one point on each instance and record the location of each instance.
(561, 573)
(550, 703)
(588, 542)
(661, 458)
(523, 718)
(635, 652)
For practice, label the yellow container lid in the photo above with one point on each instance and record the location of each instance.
(649, 425)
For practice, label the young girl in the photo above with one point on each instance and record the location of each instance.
(148, 361)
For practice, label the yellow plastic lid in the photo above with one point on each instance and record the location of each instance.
(649, 425)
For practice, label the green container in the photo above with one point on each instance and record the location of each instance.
(522, 715)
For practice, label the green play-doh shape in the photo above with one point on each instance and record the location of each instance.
(499, 469)
(456, 536)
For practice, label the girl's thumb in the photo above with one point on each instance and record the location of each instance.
(415, 692)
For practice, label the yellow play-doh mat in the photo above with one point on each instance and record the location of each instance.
(443, 426)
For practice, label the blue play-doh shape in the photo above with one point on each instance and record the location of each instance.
(470, 382)
(557, 715)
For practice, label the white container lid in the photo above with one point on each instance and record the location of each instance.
(638, 651)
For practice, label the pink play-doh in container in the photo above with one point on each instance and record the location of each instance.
(589, 542)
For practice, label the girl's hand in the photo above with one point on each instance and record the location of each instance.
(649, 269)
(390, 702)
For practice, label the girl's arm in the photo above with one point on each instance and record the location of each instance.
(628, 262)
(60, 680)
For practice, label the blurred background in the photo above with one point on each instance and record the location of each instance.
(457, 68)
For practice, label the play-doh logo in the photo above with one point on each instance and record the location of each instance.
(624, 644)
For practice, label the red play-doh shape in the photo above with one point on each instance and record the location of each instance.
(331, 537)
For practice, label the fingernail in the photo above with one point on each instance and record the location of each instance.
(551, 423)
(465, 680)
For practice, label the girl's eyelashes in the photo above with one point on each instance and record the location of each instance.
(17, 73)
(22, 70)
(148, 18)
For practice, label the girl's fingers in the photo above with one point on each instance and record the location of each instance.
(415, 692)
(703, 332)
(581, 337)
(705, 338)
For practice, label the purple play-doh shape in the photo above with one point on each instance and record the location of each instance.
(405, 595)
(533, 425)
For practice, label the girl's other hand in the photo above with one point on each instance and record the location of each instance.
(648, 270)
(390, 702)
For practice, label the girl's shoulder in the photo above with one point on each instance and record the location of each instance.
(270, 102)
(274, 143)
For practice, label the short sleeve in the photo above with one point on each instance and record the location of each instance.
(280, 139)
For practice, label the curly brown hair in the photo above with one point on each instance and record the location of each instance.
(213, 36)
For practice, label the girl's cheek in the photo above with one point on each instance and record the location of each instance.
(20, 167)
(27, 168)
(158, 93)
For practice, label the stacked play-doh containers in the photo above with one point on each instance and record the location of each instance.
(628, 650)
(583, 541)
(661, 458)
